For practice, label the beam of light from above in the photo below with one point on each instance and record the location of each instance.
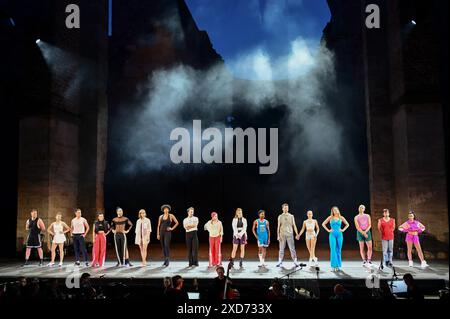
(110, 18)
(12, 22)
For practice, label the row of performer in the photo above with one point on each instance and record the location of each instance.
(287, 232)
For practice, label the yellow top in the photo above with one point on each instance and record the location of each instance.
(215, 229)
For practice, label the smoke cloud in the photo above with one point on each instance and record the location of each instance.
(298, 81)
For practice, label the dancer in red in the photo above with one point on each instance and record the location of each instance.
(215, 229)
(99, 232)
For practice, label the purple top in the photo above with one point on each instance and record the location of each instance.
(413, 225)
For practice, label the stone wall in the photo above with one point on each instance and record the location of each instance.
(62, 148)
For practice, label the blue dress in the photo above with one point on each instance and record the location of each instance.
(336, 240)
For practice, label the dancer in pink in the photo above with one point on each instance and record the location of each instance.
(413, 228)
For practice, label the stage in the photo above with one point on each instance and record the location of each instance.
(154, 270)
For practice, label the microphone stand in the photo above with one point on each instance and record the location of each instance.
(287, 276)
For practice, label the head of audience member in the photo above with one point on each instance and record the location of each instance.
(177, 282)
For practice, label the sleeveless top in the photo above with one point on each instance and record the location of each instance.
(387, 229)
(164, 224)
(335, 225)
(33, 227)
(310, 225)
(363, 221)
(261, 227)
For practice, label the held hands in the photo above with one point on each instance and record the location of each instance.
(297, 237)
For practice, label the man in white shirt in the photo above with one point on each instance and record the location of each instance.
(190, 224)
(79, 228)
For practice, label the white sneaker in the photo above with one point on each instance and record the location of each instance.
(410, 263)
(316, 261)
(310, 263)
(50, 264)
(424, 264)
(60, 264)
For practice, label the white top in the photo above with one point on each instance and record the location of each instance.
(239, 232)
(190, 221)
(310, 224)
(58, 230)
(143, 229)
(78, 225)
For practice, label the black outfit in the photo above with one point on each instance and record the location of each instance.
(79, 244)
(176, 295)
(34, 234)
(101, 226)
(192, 247)
(120, 241)
(218, 287)
(165, 237)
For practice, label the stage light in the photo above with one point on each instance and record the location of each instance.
(38, 40)
(413, 22)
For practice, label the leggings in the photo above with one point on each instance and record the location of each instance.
(120, 242)
(336, 240)
(79, 244)
(99, 250)
(165, 243)
(192, 247)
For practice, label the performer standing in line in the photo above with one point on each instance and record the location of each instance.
(58, 229)
(413, 228)
(386, 227)
(261, 230)
(143, 231)
(79, 229)
(165, 231)
(336, 237)
(312, 231)
(34, 226)
(100, 230)
(363, 224)
(215, 229)
(120, 232)
(239, 225)
(285, 234)
(190, 224)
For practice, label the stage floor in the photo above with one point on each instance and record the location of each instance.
(350, 270)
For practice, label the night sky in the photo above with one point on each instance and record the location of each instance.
(239, 27)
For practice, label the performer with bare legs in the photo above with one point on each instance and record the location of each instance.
(312, 231)
(363, 224)
(143, 231)
(58, 229)
(412, 227)
(34, 226)
(261, 230)
(239, 225)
